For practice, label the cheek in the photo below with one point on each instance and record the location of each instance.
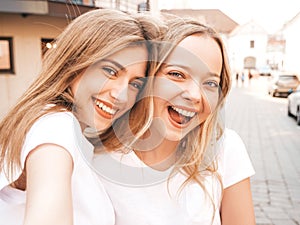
(213, 102)
(93, 81)
(209, 105)
(75, 84)
(165, 89)
(132, 98)
(158, 105)
(211, 99)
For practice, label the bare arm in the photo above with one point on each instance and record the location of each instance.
(49, 198)
(237, 206)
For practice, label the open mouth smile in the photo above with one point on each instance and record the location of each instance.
(180, 117)
(104, 109)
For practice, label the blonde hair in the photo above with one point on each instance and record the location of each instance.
(87, 39)
(197, 141)
(133, 124)
(194, 148)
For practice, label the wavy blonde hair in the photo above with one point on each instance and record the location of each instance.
(87, 39)
(194, 149)
(197, 141)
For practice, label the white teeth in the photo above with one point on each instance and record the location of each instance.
(184, 112)
(105, 108)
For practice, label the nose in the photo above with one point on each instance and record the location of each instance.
(192, 92)
(119, 92)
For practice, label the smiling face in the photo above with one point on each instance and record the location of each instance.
(187, 86)
(108, 88)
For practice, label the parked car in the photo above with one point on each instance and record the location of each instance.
(294, 105)
(283, 84)
(265, 71)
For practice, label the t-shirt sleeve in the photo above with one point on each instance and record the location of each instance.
(60, 128)
(235, 164)
(57, 128)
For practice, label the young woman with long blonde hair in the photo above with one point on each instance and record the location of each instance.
(90, 80)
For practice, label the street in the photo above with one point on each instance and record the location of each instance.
(273, 143)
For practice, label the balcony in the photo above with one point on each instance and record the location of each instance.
(56, 8)
(67, 8)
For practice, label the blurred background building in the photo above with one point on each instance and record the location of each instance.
(28, 28)
(27, 31)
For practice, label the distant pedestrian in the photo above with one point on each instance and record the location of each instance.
(249, 76)
(243, 78)
(237, 76)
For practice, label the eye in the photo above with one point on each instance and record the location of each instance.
(212, 83)
(109, 71)
(176, 74)
(137, 84)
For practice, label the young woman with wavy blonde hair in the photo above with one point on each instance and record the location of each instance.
(90, 80)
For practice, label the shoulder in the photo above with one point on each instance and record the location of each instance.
(56, 119)
(231, 141)
(59, 128)
(55, 124)
(233, 161)
(230, 135)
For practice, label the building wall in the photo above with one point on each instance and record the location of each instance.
(239, 49)
(292, 37)
(239, 46)
(27, 33)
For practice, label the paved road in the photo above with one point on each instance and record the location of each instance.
(273, 142)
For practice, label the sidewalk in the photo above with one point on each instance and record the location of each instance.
(273, 143)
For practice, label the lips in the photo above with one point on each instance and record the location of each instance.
(104, 109)
(180, 117)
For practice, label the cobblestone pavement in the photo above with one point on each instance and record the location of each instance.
(273, 142)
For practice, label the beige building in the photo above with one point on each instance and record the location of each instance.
(27, 29)
(24, 60)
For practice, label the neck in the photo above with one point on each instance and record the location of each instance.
(161, 157)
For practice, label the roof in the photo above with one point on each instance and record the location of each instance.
(212, 17)
(249, 28)
(292, 21)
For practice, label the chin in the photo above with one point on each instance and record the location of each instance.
(174, 136)
(101, 126)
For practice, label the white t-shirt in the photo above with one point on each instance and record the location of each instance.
(141, 195)
(91, 203)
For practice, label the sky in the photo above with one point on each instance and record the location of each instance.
(270, 14)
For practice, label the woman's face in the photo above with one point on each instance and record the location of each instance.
(108, 88)
(186, 88)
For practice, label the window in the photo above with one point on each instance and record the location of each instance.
(142, 7)
(249, 62)
(6, 55)
(77, 2)
(47, 43)
(251, 44)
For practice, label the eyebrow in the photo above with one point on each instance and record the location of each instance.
(142, 79)
(121, 67)
(214, 74)
(187, 68)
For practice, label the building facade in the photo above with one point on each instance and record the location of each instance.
(291, 35)
(247, 46)
(27, 29)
